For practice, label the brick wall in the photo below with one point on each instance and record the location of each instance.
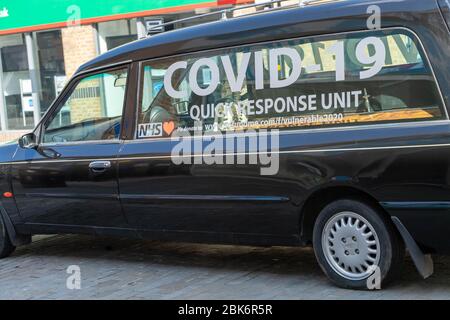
(79, 47)
(86, 106)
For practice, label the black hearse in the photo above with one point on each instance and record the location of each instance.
(359, 112)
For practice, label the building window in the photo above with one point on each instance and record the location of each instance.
(18, 82)
(116, 33)
(51, 66)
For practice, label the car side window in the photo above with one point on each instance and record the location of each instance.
(367, 77)
(92, 111)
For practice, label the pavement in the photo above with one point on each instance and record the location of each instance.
(116, 268)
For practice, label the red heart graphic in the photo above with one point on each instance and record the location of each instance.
(168, 127)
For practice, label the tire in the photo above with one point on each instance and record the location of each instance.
(6, 247)
(354, 242)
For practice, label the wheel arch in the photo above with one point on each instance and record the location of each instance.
(320, 198)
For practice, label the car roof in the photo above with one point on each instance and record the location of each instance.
(325, 18)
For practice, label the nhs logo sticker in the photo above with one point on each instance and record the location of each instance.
(147, 130)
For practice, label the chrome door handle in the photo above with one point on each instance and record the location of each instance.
(99, 166)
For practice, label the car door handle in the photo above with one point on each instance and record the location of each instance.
(99, 166)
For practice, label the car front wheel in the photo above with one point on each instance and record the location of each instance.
(356, 246)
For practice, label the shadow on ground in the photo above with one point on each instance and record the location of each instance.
(116, 268)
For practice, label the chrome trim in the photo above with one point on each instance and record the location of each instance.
(375, 126)
(100, 165)
(235, 154)
(196, 197)
(77, 143)
(100, 68)
(429, 205)
(87, 196)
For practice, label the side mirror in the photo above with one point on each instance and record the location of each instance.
(28, 141)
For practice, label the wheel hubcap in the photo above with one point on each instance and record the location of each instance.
(350, 245)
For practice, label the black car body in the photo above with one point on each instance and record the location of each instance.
(118, 184)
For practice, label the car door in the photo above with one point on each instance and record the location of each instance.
(194, 200)
(70, 178)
